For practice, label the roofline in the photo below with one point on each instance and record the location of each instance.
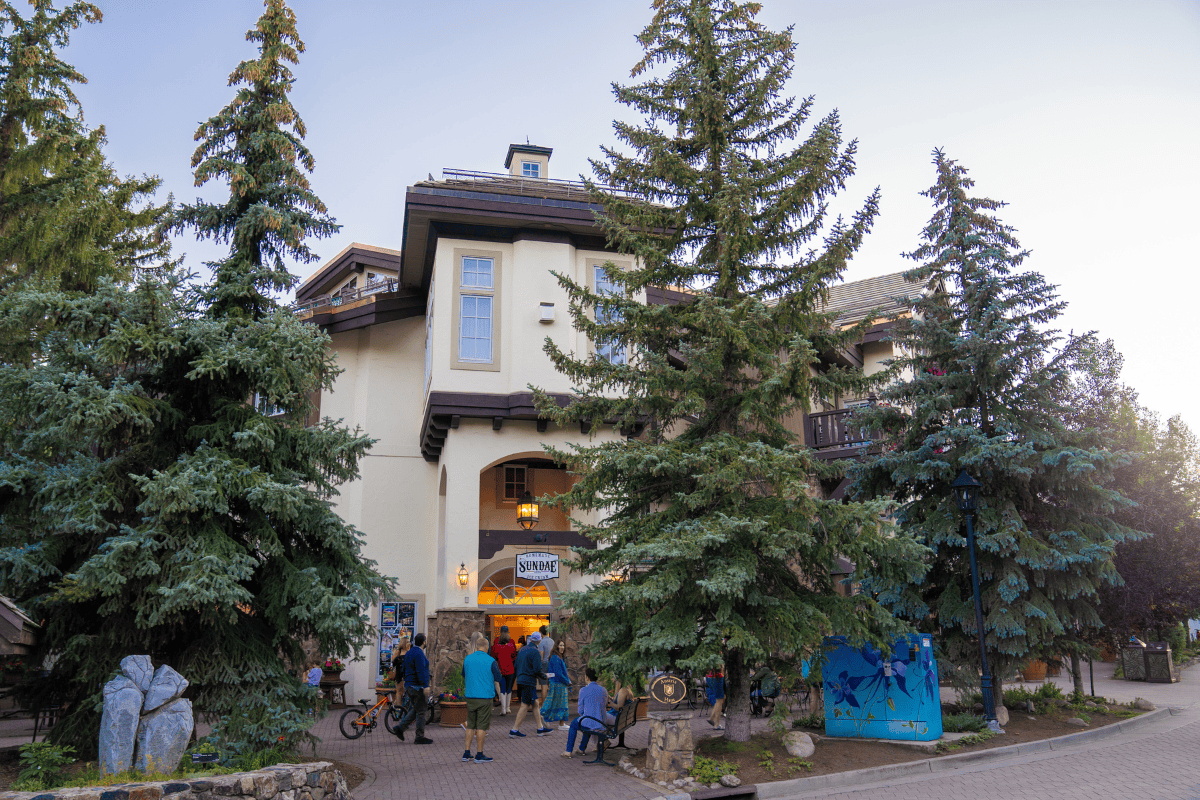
(534, 149)
(325, 270)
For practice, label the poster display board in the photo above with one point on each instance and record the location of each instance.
(396, 619)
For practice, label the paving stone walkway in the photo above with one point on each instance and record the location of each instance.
(524, 769)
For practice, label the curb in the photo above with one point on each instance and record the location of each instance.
(781, 789)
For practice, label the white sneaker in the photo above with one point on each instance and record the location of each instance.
(564, 727)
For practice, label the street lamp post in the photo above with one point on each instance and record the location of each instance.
(966, 494)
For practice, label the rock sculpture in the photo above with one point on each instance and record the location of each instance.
(145, 722)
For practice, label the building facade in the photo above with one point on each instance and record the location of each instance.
(439, 342)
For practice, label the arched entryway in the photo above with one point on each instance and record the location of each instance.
(522, 605)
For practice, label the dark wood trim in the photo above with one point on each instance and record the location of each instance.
(493, 541)
(444, 410)
(656, 296)
(352, 260)
(878, 332)
(386, 307)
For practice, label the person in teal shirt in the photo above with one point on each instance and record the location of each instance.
(481, 678)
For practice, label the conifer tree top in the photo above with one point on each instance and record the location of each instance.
(255, 143)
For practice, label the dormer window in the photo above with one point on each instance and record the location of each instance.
(530, 169)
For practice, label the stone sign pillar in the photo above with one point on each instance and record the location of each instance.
(670, 753)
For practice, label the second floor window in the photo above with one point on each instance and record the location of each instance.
(477, 283)
(611, 352)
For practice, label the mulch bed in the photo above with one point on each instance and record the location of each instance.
(842, 755)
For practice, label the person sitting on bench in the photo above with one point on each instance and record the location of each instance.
(593, 702)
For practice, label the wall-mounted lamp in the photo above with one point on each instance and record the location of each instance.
(547, 312)
(463, 576)
(527, 512)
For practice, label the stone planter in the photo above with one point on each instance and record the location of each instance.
(454, 713)
(1034, 671)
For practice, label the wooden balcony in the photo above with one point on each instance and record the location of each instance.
(833, 434)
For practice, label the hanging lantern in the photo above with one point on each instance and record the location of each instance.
(966, 492)
(527, 512)
(463, 575)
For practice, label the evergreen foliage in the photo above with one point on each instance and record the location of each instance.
(1160, 574)
(65, 215)
(716, 544)
(146, 504)
(980, 386)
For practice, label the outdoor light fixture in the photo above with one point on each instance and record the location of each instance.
(966, 494)
(463, 576)
(527, 512)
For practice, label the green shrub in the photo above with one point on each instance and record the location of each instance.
(1017, 695)
(42, 766)
(1048, 691)
(962, 723)
(813, 720)
(707, 770)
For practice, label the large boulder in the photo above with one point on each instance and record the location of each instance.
(119, 724)
(1001, 716)
(138, 669)
(165, 687)
(798, 744)
(162, 737)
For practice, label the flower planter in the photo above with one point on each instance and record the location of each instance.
(454, 713)
(1034, 671)
(643, 709)
(331, 675)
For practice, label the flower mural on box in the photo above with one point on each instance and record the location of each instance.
(889, 697)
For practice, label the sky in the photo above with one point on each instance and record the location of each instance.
(1082, 116)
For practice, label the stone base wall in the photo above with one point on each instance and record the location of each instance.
(316, 781)
(449, 639)
(670, 754)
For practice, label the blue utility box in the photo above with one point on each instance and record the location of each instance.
(872, 696)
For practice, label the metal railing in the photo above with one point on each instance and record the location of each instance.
(345, 297)
(529, 187)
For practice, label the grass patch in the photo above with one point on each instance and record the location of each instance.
(962, 723)
(966, 741)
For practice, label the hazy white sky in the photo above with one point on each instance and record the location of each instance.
(1083, 116)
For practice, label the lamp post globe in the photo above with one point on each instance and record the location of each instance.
(966, 492)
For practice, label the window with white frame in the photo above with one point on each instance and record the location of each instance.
(530, 169)
(611, 352)
(477, 284)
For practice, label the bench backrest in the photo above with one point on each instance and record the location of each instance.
(626, 717)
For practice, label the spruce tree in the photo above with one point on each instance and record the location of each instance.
(65, 215)
(715, 543)
(148, 504)
(978, 386)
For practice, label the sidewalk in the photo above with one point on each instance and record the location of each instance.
(1184, 693)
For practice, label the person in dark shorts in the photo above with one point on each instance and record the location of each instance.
(529, 669)
(482, 679)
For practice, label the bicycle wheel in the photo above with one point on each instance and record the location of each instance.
(391, 718)
(349, 724)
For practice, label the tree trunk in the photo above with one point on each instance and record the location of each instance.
(997, 684)
(737, 698)
(1077, 674)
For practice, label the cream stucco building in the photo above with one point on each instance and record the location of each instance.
(440, 341)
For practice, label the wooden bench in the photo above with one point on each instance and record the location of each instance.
(626, 719)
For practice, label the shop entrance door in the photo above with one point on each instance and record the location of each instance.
(518, 624)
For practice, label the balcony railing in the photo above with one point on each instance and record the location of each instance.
(529, 187)
(829, 432)
(347, 296)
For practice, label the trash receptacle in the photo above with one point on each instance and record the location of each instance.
(1160, 667)
(1133, 661)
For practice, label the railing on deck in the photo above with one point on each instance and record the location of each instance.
(347, 296)
(834, 430)
(516, 184)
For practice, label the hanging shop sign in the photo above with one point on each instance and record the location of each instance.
(537, 566)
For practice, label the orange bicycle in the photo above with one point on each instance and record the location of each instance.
(355, 723)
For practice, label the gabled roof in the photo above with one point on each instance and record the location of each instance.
(853, 301)
(329, 273)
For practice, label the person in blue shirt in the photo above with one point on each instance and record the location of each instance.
(416, 688)
(481, 676)
(528, 670)
(593, 703)
(314, 674)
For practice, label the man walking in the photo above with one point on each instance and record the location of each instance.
(528, 670)
(545, 648)
(416, 688)
(481, 675)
